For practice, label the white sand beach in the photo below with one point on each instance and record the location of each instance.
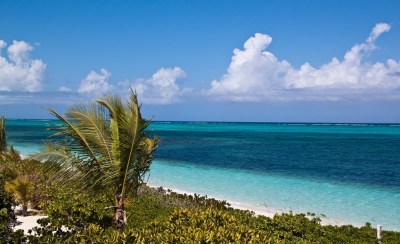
(264, 210)
(26, 223)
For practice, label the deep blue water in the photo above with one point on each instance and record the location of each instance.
(350, 172)
(359, 154)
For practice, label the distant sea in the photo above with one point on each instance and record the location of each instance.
(345, 173)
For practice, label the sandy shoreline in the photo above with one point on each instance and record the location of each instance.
(266, 211)
(28, 222)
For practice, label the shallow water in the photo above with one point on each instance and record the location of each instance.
(340, 203)
(349, 172)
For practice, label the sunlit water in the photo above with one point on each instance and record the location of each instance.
(348, 172)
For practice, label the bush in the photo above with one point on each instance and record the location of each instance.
(237, 226)
(6, 213)
(31, 172)
(159, 216)
(71, 212)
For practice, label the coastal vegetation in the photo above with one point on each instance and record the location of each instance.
(7, 202)
(104, 146)
(89, 183)
(160, 216)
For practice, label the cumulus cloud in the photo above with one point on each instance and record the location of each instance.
(161, 88)
(255, 74)
(18, 72)
(96, 84)
(252, 71)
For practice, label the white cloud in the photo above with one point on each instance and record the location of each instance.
(18, 72)
(161, 88)
(64, 89)
(96, 83)
(255, 74)
(3, 44)
(377, 31)
(252, 71)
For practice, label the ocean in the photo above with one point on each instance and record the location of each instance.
(344, 173)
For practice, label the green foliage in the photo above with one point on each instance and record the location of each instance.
(157, 204)
(177, 200)
(7, 152)
(365, 234)
(237, 226)
(69, 213)
(6, 213)
(3, 141)
(27, 180)
(21, 188)
(145, 209)
(159, 216)
(201, 226)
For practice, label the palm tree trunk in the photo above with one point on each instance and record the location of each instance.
(3, 141)
(119, 219)
(24, 210)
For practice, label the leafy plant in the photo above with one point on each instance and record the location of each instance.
(21, 188)
(157, 217)
(69, 212)
(27, 181)
(7, 152)
(6, 213)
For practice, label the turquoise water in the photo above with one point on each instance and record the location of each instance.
(348, 172)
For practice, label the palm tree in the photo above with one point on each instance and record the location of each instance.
(21, 188)
(104, 146)
(7, 151)
(3, 142)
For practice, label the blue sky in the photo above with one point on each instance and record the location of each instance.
(294, 61)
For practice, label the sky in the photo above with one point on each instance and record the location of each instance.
(203, 60)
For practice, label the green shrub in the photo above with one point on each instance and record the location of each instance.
(70, 212)
(157, 216)
(32, 172)
(145, 209)
(6, 212)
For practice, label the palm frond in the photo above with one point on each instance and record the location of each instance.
(93, 124)
(77, 135)
(117, 116)
(63, 165)
(21, 188)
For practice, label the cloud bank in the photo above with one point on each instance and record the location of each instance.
(161, 88)
(255, 74)
(18, 72)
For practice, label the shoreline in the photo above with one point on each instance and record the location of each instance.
(259, 210)
(28, 222)
(265, 211)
